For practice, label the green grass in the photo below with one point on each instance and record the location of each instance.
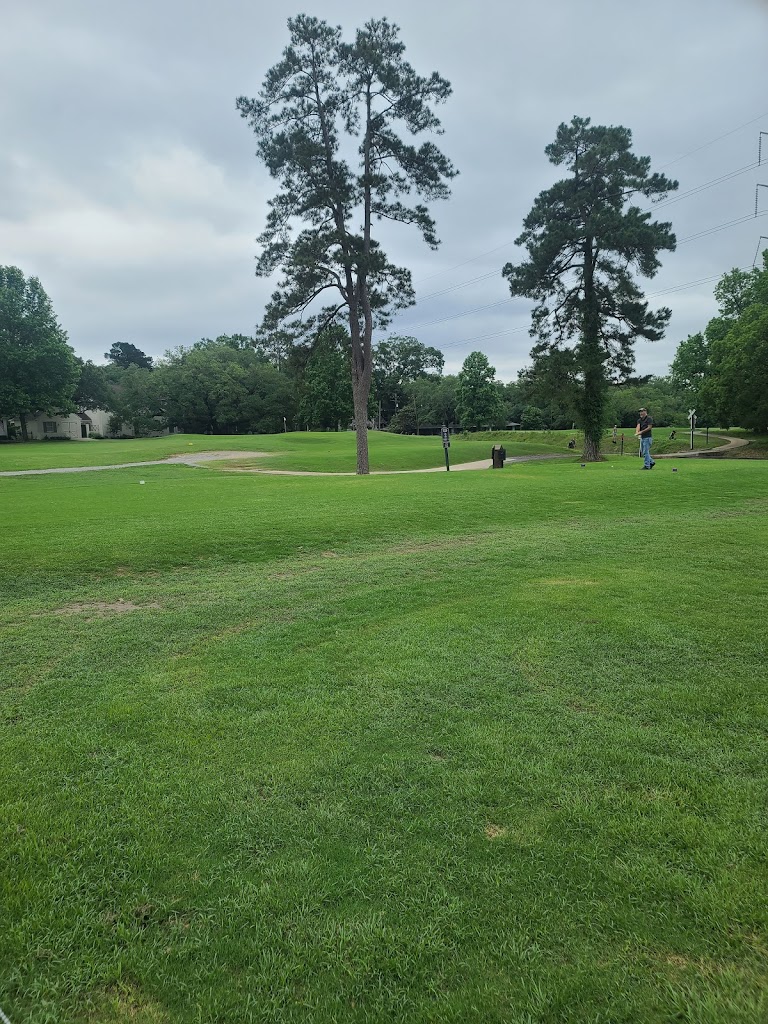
(473, 747)
(331, 452)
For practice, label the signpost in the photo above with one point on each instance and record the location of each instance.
(446, 436)
(692, 418)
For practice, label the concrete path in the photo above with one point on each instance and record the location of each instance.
(479, 464)
(198, 458)
(730, 442)
(192, 459)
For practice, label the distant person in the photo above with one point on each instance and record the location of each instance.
(613, 440)
(572, 443)
(644, 430)
(673, 435)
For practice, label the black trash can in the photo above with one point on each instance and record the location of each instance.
(498, 454)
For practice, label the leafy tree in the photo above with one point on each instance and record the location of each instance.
(270, 399)
(124, 354)
(38, 369)
(236, 341)
(323, 95)
(137, 399)
(478, 400)
(327, 391)
(582, 239)
(551, 385)
(205, 387)
(93, 389)
(689, 366)
(660, 394)
(215, 387)
(723, 370)
(533, 418)
(737, 383)
(398, 361)
(737, 290)
(275, 347)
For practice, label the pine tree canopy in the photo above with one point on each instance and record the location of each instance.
(584, 231)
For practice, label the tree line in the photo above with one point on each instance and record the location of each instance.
(265, 384)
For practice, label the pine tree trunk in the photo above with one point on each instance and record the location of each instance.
(592, 364)
(593, 399)
(360, 399)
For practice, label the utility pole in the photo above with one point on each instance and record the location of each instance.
(692, 418)
(758, 186)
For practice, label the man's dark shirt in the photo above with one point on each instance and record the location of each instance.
(646, 421)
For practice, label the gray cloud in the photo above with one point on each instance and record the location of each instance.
(128, 182)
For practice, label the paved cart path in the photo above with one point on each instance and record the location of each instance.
(479, 464)
(198, 458)
(730, 442)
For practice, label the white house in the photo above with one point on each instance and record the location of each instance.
(78, 426)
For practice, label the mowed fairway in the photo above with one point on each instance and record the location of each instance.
(472, 747)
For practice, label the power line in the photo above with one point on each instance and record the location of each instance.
(713, 141)
(703, 187)
(525, 327)
(721, 227)
(491, 305)
(458, 266)
(677, 159)
(455, 287)
(665, 202)
(457, 316)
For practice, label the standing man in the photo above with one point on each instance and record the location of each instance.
(644, 431)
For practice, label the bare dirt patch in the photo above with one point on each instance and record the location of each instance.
(569, 583)
(494, 832)
(124, 1001)
(193, 458)
(101, 608)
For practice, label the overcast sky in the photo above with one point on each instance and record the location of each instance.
(129, 185)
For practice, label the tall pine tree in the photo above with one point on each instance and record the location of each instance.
(330, 121)
(584, 238)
